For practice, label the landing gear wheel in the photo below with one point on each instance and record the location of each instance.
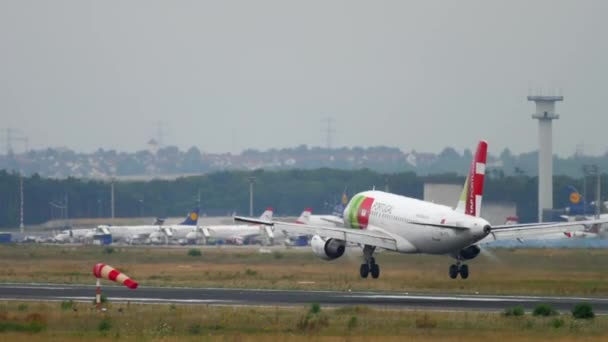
(464, 271)
(453, 271)
(375, 271)
(364, 271)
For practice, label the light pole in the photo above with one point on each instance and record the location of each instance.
(61, 206)
(112, 198)
(21, 226)
(141, 207)
(99, 207)
(593, 170)
(251, 181)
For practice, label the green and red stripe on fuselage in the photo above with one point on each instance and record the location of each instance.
(356, 214)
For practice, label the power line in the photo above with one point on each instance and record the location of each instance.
(12, 136)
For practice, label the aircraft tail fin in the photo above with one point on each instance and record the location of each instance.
(576, 202)
(191, 218)
(305, 216)
(470, 199)
(267, 214)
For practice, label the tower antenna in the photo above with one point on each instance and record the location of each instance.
(329, 131)
(545, 114)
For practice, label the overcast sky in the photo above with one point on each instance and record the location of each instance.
(228, 75)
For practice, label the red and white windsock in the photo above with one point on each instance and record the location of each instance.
(109, 272)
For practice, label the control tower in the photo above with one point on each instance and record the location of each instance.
(545, 114)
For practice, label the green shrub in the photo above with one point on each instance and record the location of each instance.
(544, 310)
(557, 323)
(67, 305)
(195, 252)
(22, 307)
(583, 311)
(312, 322)
(30, 327)
(278, 255)
(352, 322)
(251, 272)
(109, 250)
(104, 325)
(195, 329)
(514, 311)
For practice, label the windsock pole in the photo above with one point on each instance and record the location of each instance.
(98, 295)
(108, 272)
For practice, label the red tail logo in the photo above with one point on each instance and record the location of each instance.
(476, 177)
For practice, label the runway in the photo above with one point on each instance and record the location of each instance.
(244, 297)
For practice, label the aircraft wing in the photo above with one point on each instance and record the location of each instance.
(537, 230)
(369, 236)
(335, 220)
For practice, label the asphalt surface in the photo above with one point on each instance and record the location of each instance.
(215, 296)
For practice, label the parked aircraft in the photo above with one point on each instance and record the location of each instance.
(578, 210)
(141, 233)
(322, 220)
(408, 225)
(237, 234)
(75, 235)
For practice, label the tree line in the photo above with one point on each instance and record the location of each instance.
(225, 193)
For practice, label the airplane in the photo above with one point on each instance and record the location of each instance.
(291, 239)
(164, 233)
(578, 210)
(236, 234)
(376, 219)
(322, 220)
(134, 234)
(75, 235)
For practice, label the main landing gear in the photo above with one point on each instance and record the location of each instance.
(459, 268)
(370, 265)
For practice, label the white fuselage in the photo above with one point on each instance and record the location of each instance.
(237, 233)
(395, 215)
(75, 235)
(130, 233)
(163, 234)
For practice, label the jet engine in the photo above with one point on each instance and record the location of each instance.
(327, 249)
(467, 253)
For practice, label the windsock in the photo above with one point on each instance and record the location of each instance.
(109, 272)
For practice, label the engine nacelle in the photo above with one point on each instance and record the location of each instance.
(467, 253)
(327, 249)
(156, 237)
